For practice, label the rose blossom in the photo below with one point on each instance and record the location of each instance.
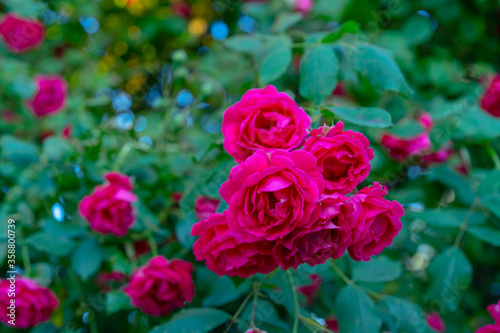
(343, 157)
(105, 281)
(230, 254)
(161, 285)
(204, 207)
(494, 311)
(264, 119)
(304, 6)
(34, 303)
(311, 290)
(375, 222)
(109, 208)
(435, 322)
(19, 34)
(273, 193)
(50, 96)
(490, 102)
(402, 148)
(328, 237)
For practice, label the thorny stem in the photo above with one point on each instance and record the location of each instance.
(240, 309)
(256, 286)
(129, 249)
(351, 282)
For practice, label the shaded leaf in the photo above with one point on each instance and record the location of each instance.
(370, 117)
(193, 321)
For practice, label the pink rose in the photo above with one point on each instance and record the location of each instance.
(141, 247)
(435, 322)
(343, 157)
(50, 96)
(439, 156)
(204, 207)
(311, 290)
(402, 148)
(34, 303)
(273, 193)
(161, 286)
(304, 6)
(492, 328)
(109, 208)
(19, 34)
(490, 102)
(494, 311)
(425, 119)
(375, 222)
(264, 119)
(230, 254)
(328, 237)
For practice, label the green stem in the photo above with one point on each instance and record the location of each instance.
(256, 286)
(26, 260)
(129, 249)
(494, 157)
(295, 302)
(340, 273)
(126, 149)
(465, 222)
(152, 245)
(240, 309)
(93, 324)
(314, 323)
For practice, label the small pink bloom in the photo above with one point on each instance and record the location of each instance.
(494, 311)
(9, 116)
(204, 207)
(34, 303)
(21, 35)
(176, 197)
(66, 132)
(439, 156)
(402, 148)
(264, 119)
(161, 286)
(304, 6)
(490, 102)
(109, 208)
(343, 157)
(181, 9)
(226, 253)
(435, 322)
(50, 96)
(311, 290)
(332, 324)
(425, 119)
(375, 222)
(271, 194)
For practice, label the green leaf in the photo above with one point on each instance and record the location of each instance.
(318, 73)
(489, 191)
(18, 151)
(193, 321)
(357, 312)
(117, 301)
(286, 20)
(222, 291)
(56, 149)
(377, 65)
(183, 230)
(370, 117)
(486, 234)
(243, 43)
(378, 269)
(408, 317)
(275, 64)
(449, 217)
(457, 182)
(350, 26)
(417, 29)
(450, 275)
(50, 244)
(87, 258)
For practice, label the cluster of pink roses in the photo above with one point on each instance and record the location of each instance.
(494, 311)
(287, 206)
(22, 35)
(157, 287)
